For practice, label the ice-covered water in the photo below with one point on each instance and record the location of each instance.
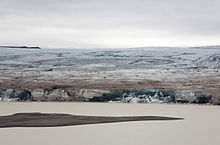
(199, 127)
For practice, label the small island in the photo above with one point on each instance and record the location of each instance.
(37, 119)
(22, 47)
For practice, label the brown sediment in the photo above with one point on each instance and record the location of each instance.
(55, 120)
(207, 84)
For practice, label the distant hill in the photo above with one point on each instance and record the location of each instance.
(23, 47)
(207, 47)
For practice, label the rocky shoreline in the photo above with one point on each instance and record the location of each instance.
(98, 95)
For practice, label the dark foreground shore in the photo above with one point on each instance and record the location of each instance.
(53, 120)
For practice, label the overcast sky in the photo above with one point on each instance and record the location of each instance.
(109, 23)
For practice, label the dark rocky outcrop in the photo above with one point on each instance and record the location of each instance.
(25, 95)
(203, 98)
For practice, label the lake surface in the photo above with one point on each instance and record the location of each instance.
(199, 127)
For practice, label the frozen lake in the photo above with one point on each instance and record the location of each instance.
(199, 127)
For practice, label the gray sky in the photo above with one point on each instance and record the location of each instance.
(109, 23)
